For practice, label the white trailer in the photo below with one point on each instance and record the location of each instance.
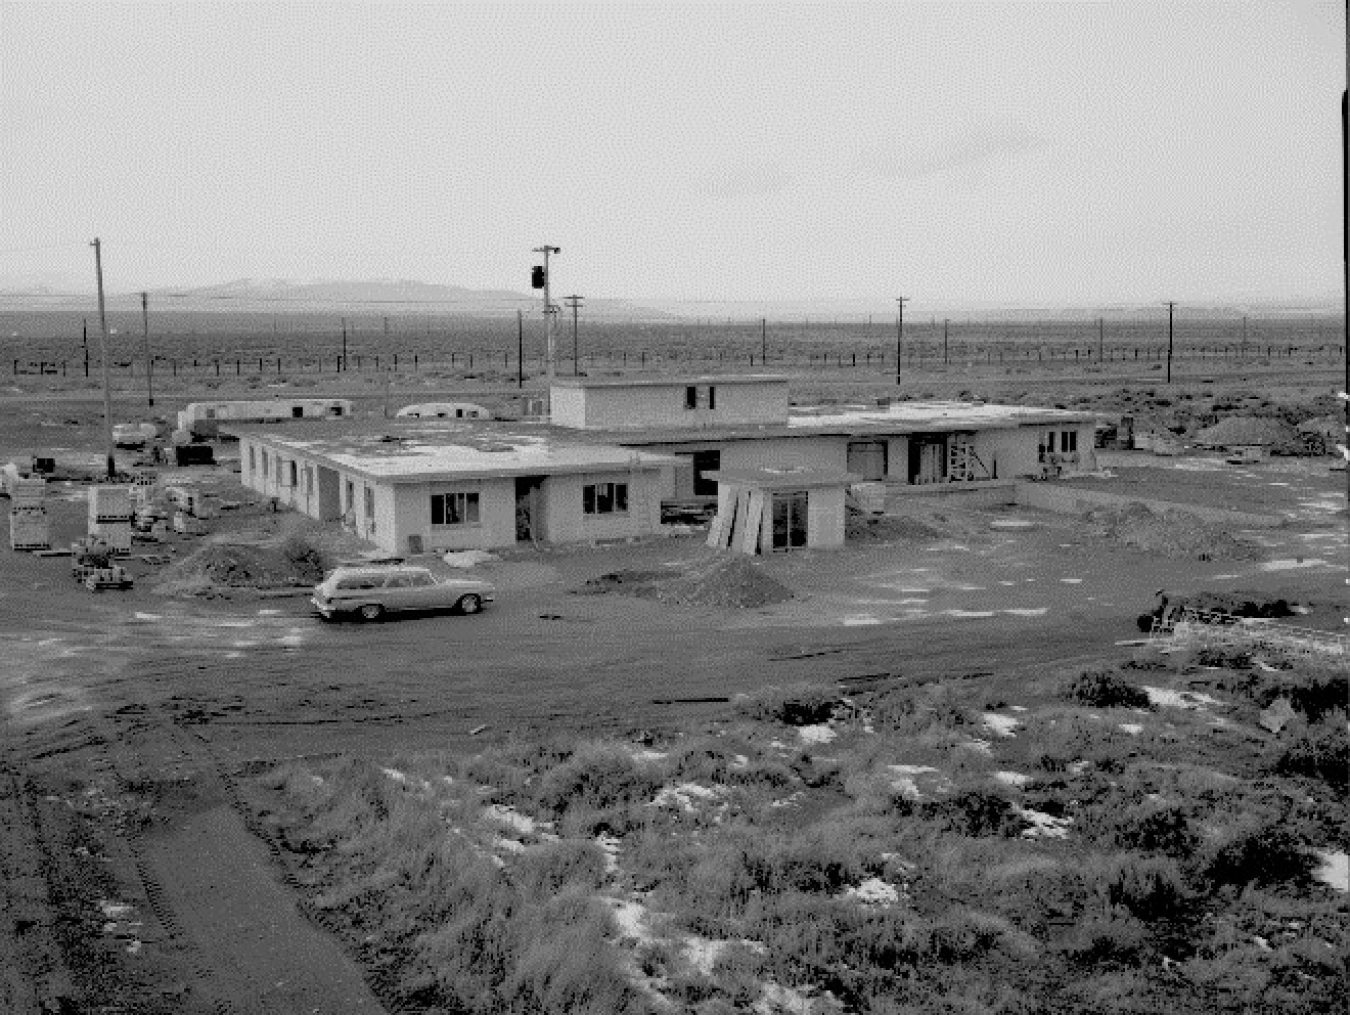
(272, 410)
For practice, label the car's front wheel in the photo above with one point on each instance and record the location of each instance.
(371, 611)
(470, 604)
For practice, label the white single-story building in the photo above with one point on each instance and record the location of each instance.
(617, 448)
(441, 485)
(745, 422)
(764, 510)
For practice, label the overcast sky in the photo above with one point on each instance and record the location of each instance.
(1009, 153)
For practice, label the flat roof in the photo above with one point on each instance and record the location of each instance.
(418, 451)
(668, 382)
(785, 479)
(897, 419)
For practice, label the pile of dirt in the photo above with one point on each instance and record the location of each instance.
(860, 528)
(1262, 431)
(286, 564)
(725, 580)
(734, 580)
(1172, 533)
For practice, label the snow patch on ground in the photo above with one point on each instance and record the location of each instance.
(1180, 699)
(1028, 611)
(818, 734)
(1017, 779)
(967, 613)
(1044, 826)
(906, 778)
(683, 796)
(609, 845)
(1334, 869)
(1003, 725)
(647, 755)
(1290, 564)
(1132, 728)
(468, 558)
(510, 817)
(395, 774)
(874, 892)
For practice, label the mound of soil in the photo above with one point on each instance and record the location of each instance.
(727, 581)
(730, 580)
(238, 565)
(860, 528)
(1172, 533)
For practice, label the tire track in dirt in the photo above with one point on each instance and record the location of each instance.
(216, 883)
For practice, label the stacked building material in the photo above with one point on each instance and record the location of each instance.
(110, 516)
(29, 528)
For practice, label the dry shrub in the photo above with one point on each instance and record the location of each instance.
(1150, 888)
(973, 812)
(1105, 689)
(597, 777)
(1320, 750)
(1265, 855)
(795, 705)
(1128, 823)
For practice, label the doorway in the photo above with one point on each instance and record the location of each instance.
(789, 519)
(529, 509)
(704, 463)
(927, 459)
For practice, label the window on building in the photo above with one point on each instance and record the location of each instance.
(252, 458)
(454, 509)
(1069, 441)
(267, 461)
(210, 413)
(370, 503)
(292, 474)
(698, 396)
(309, 480)
(350, 500)
(604, 498)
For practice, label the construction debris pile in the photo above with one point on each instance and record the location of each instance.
(287, 563)
(1175, 534)
(734, 581)
(1252, 431)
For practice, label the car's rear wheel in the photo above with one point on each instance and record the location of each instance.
(470, 604)
(371, 611)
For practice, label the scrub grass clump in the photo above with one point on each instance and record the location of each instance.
(966, 845)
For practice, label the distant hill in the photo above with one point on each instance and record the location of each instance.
(272, 295)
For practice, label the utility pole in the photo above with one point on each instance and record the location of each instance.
(763, 341)
(540, 280)
(900, 302)
(149, 361)
(1101, 338)
(343, 368)
(1170, 307)
(86, 347)
(945, 322)
(574, 302)
(520, 348)
(103, 348)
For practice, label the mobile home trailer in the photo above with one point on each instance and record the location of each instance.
(206, 415)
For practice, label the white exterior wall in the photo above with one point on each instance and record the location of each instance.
(410, 508)
(566, 522)
(825, 518)
(786, 452)
(567, 407)
(653, 405)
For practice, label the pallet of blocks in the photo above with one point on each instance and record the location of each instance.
(110, 517)
(29, 528)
